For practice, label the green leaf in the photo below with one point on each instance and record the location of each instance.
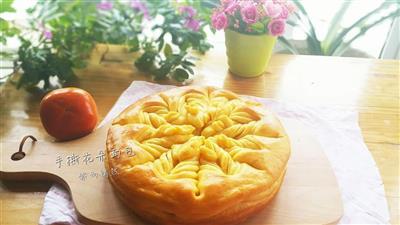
(288, 45)
(312, 39)
(291, 22)
(258, 27)
(146, 61)
(3, 25)
(167, 50)
(6, 6)
(188, 68)
(343, 47)
(314, 46)
(133, 44)
(335, 25)
(162, 72)
(341, 36)
(160, 44)
(188, 63)
(180, 75)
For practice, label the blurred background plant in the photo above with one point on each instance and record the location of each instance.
(60, 36)
(7, 29)
(177, 33)
(338, 39)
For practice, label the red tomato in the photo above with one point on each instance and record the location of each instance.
(68, 113)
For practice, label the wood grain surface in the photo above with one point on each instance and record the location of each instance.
(309, 193)
(368, 85)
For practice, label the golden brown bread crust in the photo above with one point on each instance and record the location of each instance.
(196, 156)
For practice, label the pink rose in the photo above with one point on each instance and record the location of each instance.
(249, 13)
(47, 34)
(273, 10)
(189, 11)
(192, 24)
(219, 20)
(106, 5)
(231, 7)
(291, 7)
(139, 6)
(226, 2)
(276, 27)
(284, 13)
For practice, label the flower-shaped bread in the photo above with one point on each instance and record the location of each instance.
(196, 155)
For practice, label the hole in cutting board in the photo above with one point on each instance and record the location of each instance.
(18, 156)
(21, 154)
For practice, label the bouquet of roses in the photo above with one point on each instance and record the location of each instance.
(253, 16)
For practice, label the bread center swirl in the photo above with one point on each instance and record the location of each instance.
(183, 136)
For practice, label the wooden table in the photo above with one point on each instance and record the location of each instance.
(368, 85)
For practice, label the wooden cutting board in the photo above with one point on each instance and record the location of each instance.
(309, 193)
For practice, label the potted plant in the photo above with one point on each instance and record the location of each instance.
(251, 29)
(337, 41)
(65, 36)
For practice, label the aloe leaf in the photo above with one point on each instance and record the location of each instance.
(305, 14)
(342, 48)
(335, 25)
(291, 23)
(314, 46)
(313, 43)
(288, 45)
(339, 39)
(300, 6)
(394, 27)
(300, 24)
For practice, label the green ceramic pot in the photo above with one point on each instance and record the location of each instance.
(248, 55)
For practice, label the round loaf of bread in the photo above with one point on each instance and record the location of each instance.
(196, 156)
